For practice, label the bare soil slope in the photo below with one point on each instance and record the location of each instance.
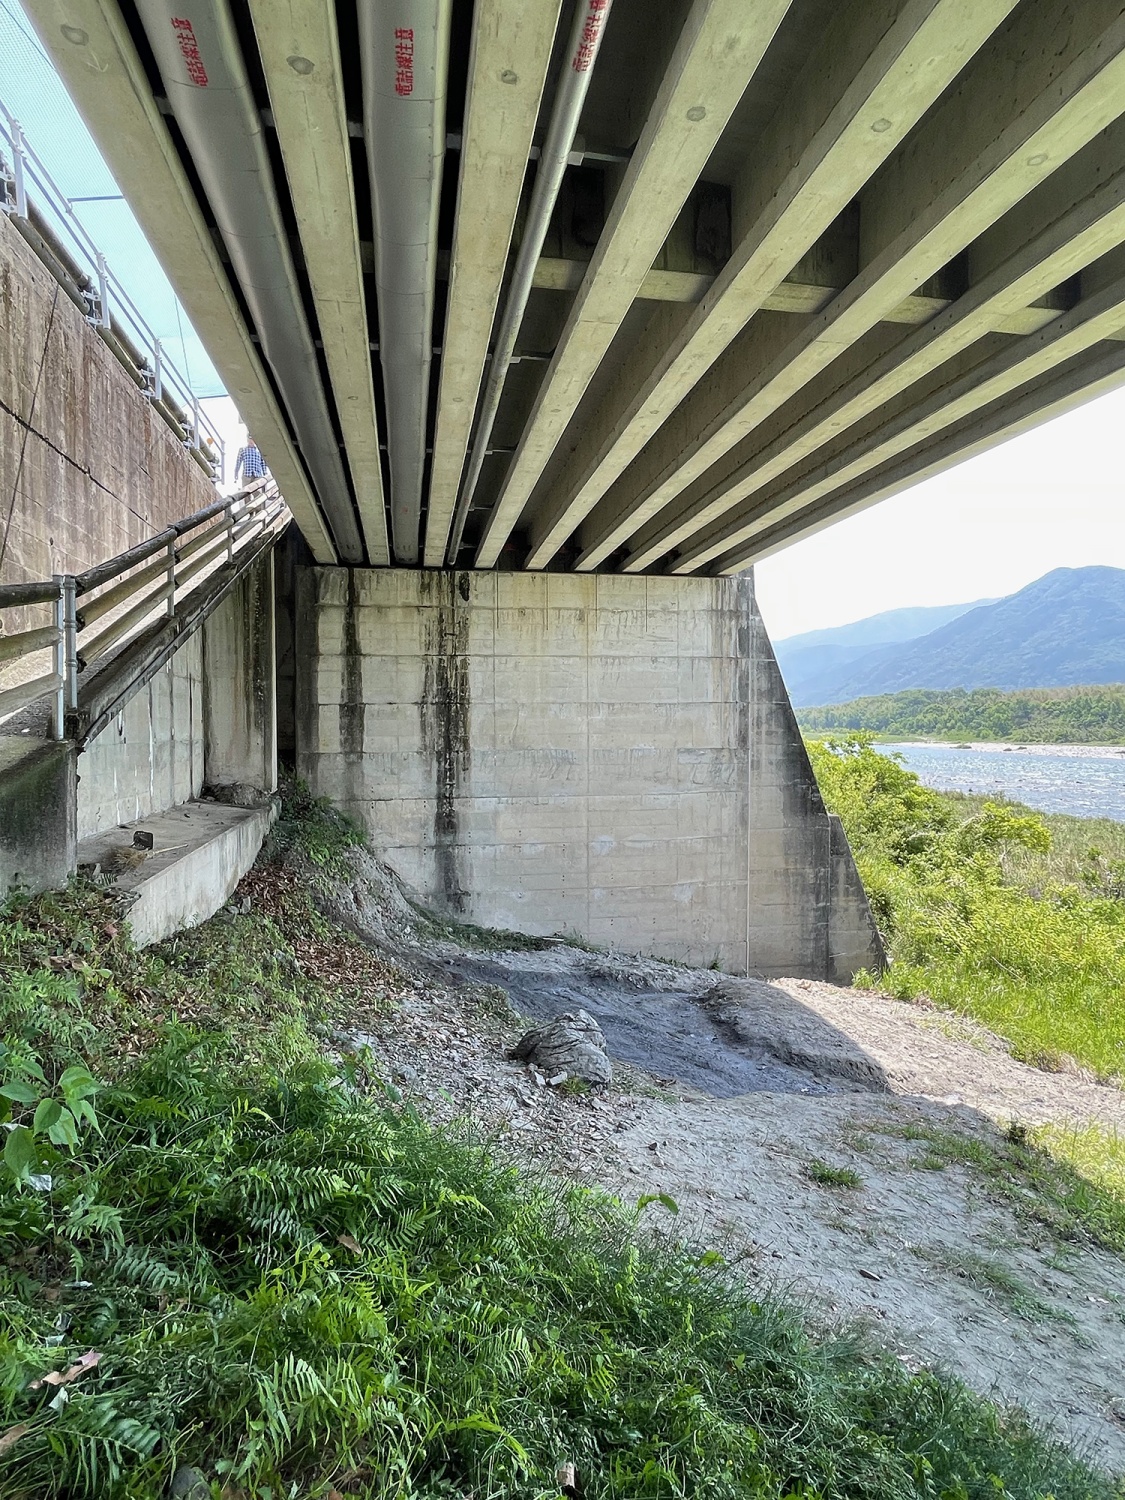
(728, 1095)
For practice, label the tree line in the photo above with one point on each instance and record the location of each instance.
(1068, 715)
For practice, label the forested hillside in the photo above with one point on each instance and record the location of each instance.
(1067, 628)
(1052, 716)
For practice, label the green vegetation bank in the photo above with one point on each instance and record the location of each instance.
(228, 1249)
(1046, 716)
(989, 908)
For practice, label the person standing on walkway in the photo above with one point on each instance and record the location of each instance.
(249, 465)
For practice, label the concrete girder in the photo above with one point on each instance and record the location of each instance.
(90, 45)
(718, 52)
(1088, 230)
(312, 131)
(1089, 323)
(1050, 397)
(1065, 92)
(555, 275)
(511, 53)
(874, 74)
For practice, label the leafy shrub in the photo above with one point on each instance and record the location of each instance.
(1044, 967)
(309, 1290)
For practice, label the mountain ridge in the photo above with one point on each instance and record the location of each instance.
(1064, 629)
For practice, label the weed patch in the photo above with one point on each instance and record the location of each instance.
(1075, 1199)
(478, 939)
(981, 917)
(832, 1177)
(262, 1264)
(995, 1281)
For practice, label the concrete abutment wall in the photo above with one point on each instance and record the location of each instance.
(90, 469)
(610, 756)
(207, 719)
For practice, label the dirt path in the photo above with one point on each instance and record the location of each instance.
(929, 1247)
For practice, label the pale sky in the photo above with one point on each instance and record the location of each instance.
(1051, 498)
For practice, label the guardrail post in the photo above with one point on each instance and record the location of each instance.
(157, 371)
(171, 610)
(103, 290)
(230, 531)
(70, 636)
(58, 716)
(18, 170)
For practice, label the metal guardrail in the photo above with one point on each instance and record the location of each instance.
(106, 303)
(95, 612)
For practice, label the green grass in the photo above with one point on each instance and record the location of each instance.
(989, 909)
(480, 939)
(1066, 1183)
(995, 1281)
(825, 1175)
(305, 1289)
(297, 1285)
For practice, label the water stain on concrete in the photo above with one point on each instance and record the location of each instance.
(353, 710)
(445, 722)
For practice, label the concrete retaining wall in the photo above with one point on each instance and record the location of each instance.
(37, 813)
(150, 756)
(605, 755)
(92, 466)
(239, 684)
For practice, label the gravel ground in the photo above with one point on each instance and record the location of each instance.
(938, 1264)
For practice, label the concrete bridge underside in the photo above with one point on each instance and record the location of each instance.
(780, 259)
(521, 296)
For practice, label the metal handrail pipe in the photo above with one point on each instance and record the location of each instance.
(23, 693)
(119, 627)
(102, 573)
(12, 595)
(220, 539)
(113, 567)
(27, 641)
(189, 523)
(587, 30)
(118, 594)
(204, 559)
(202, 540)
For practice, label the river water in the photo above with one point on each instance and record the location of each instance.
(1087, 781)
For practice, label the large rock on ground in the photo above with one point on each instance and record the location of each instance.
(572, 1044)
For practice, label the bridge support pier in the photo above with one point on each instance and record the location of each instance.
(604, 755)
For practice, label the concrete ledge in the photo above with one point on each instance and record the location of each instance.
(201, 850)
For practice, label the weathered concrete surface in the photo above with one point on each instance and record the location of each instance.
(150, 756)
(87, 466)
(207, 718)
(37, 813)
(92, 466)
(799, 860)
(200, 852)
(609, 756)
(92, 469)
(175, 735)
(239, 684)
